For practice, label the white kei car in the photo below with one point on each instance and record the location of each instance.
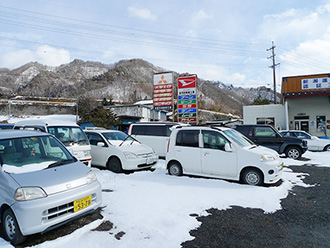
(42, 186)
(118, 151)
(221, 152)
(313, 143)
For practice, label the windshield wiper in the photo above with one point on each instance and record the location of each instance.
(254, 146)
(134, 140)
(124, 140)
(61, 162)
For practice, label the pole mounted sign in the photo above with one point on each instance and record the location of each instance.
(187, 99)
(163, 91)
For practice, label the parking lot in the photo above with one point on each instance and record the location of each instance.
(153, 209)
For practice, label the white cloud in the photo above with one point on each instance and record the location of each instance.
(43, 54)
(201, 16)
(51, 56)
(17, 58)
(310, 57)
(142, 13)
(236, 78)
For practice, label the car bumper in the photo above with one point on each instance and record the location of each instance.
(274, 172)
(42, 215)
(140, 163)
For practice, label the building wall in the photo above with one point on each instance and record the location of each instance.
(307, 109)
(36, 109)
(267, 112)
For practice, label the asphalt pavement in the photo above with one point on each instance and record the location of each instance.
(304, 220)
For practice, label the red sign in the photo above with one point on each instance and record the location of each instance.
(161, 87)
(187, 82)
(187, 106)
(188, 120)
(162, 103)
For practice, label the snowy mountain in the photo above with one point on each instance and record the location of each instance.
(126, 81)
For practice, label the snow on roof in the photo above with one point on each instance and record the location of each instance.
(144, 102)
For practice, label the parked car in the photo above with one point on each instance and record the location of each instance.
(221, 152)
(42, 186)
(313, 143)
(118, 151)
(266, 135)
(70, 134)
(153, 134)
(5, 126)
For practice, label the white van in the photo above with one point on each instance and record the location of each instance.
(71, 135)
(220, 152)
(153, 134)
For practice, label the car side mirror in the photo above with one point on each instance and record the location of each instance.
(101, 144)
(228, 147)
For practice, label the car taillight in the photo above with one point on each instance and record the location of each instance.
(168, 145)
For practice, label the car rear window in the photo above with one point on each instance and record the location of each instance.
(151, 130)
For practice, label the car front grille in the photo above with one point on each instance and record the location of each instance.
(145, 155)
(59, 211)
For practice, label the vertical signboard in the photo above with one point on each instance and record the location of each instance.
(187, 99)
(163, 91)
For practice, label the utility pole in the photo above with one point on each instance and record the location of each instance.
(273, 66)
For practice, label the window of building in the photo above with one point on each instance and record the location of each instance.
(266, 120)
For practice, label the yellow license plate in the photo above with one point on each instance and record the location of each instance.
(82, 203)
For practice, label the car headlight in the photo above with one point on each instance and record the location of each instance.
(87, 153)
(266, 157)
(90, 177)
(29, 193)
(130, 155)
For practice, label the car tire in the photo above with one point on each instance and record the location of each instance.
(11, 228)
(293, 152)
(327, 148)
(114, 165)
(252, 177)
(175, 169)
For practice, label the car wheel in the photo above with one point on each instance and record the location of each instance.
(293, 152)
(11, 229)
(175, 169)
(114, 165)
(327, 148)
(252, 177)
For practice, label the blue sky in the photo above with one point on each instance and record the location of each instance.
(215, 39)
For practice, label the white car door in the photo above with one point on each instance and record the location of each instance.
(187, 150)
(215, 160)
(98, 152)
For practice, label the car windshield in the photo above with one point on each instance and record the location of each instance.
(69, 135)
(239, 138)
(26, 154)
(120, 136)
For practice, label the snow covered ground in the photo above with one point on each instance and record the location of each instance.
(153, 208)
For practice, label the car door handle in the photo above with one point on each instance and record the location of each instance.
(206, 153)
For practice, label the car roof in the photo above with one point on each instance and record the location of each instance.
(6, 125)
(101, 131)
(221, 128)
(45, 122)
(11, 133)
(157, 123)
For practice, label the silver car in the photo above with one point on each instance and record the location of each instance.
(42, 186)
